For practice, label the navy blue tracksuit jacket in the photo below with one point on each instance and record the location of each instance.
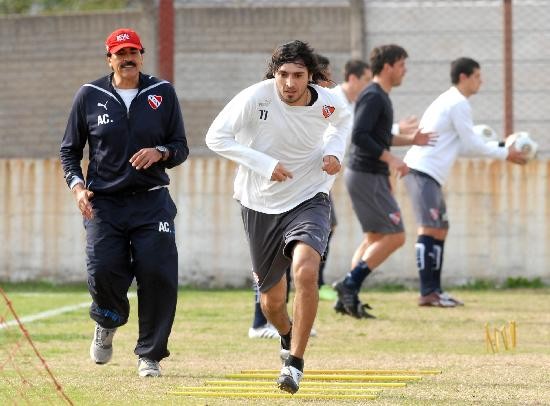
(99, 117)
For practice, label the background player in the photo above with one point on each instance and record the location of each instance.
(367, 175)
(450, 115)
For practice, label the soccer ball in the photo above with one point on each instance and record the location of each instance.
(523, 142)
(485, 132)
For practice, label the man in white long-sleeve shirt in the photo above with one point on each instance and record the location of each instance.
(450, 116)
(357, 75)
(288, 136)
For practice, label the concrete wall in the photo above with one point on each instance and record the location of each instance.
(498, 215)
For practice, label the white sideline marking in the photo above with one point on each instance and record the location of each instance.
(44, 315)
(50, 313)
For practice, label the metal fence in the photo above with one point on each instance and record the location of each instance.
(436, 32)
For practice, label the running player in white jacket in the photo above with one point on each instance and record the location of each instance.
(450, 116)
(288, 136)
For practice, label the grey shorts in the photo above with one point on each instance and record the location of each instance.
(333, 219)
(373, 202)
(272, 237)
(427, 199)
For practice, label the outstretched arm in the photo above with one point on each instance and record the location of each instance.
(418, 137)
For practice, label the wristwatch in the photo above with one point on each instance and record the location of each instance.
(163, 151)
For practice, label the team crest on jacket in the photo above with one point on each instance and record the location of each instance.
(434, 213)
(328, 110)
(154, 101)
(395, 217)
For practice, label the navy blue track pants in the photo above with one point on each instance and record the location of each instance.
(133, 236)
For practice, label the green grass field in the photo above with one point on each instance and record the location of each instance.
(209, 340)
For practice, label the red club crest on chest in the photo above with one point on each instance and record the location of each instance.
(154, 101)
(328, 110)
(434, 213)
(395, 217)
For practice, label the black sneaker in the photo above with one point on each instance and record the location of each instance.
(339, 307)
(348, 302)
(349, 298)
(362, 312)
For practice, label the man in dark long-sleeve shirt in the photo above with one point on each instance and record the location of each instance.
(134, 129)
(371, 133)
(367, 175)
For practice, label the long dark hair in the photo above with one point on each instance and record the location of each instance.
(295, 52)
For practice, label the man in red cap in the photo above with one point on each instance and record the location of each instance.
(134, 129)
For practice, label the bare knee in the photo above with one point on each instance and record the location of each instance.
(398, 240)
(272, 303)
(437, 233)
(306, 276)
(305, 270)
(273, 309)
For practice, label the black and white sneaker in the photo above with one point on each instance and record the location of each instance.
(265, 331)
(289, 379)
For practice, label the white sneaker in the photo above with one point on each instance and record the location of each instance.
(101, 349)
(284, 354)
(289, 379)
(447, 297)
(435, 300)
(148, 367)
(265, 331)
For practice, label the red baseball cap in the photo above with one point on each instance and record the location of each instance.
(122, 38)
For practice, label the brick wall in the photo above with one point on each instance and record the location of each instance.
(44, 62)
